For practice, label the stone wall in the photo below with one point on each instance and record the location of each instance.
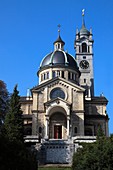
(57, 152)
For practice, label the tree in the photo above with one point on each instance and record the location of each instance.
(15, 156)
(14, 120)
(95, 156)
(13, 153)
(4, 99)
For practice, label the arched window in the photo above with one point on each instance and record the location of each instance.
(47, 75)
(84, 47)
(62, 74)
(54, 74)
(79, 49)
(41, 77)
(88, 49)
(69, 75)
(44, 76)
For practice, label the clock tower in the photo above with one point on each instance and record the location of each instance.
(84, 57)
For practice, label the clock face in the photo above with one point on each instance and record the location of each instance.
(84, 64)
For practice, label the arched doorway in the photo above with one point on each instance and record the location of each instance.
(57, 126)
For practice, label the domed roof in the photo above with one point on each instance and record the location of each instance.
(59, 57)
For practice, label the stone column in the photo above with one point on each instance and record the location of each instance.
(50, 74)
(67, 127)
(46, 128)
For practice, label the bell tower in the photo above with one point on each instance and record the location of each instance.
(84, 57)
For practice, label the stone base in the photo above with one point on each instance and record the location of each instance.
(57, 152)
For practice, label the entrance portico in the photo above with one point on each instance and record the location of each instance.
(57, 120)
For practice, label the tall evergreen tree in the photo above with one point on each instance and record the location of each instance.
(4, 98)
(13, 120)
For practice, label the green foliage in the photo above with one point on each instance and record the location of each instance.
(13, 120)
(4, 99)
(14, 156)
(100, 132)
(13, 153)
(95, 156)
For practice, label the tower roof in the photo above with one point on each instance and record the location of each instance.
(59, 43)
(59, 39)
(83, 30)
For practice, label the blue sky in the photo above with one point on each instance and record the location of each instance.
(28, 29)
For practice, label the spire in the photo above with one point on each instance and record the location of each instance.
(83, 21)
(59, 43)
(83, 30)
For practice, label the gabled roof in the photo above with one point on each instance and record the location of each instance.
(57, 79)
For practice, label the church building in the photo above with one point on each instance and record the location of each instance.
(63, 104)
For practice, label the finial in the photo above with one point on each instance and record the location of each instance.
(59, 28)
(83, 12)
(83, 22)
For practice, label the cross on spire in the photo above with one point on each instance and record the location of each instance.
(59, 28)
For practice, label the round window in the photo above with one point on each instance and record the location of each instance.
(57, 92)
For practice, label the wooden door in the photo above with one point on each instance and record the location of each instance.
(57, 132)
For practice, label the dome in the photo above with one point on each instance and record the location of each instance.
(59, 57)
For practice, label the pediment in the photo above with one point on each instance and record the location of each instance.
(57, 101)
(55, 82)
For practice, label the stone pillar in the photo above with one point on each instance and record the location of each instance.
(67, 127)
(46, 128)
(66, 75)
(50, 74)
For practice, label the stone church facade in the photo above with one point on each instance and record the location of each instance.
(63, 105)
